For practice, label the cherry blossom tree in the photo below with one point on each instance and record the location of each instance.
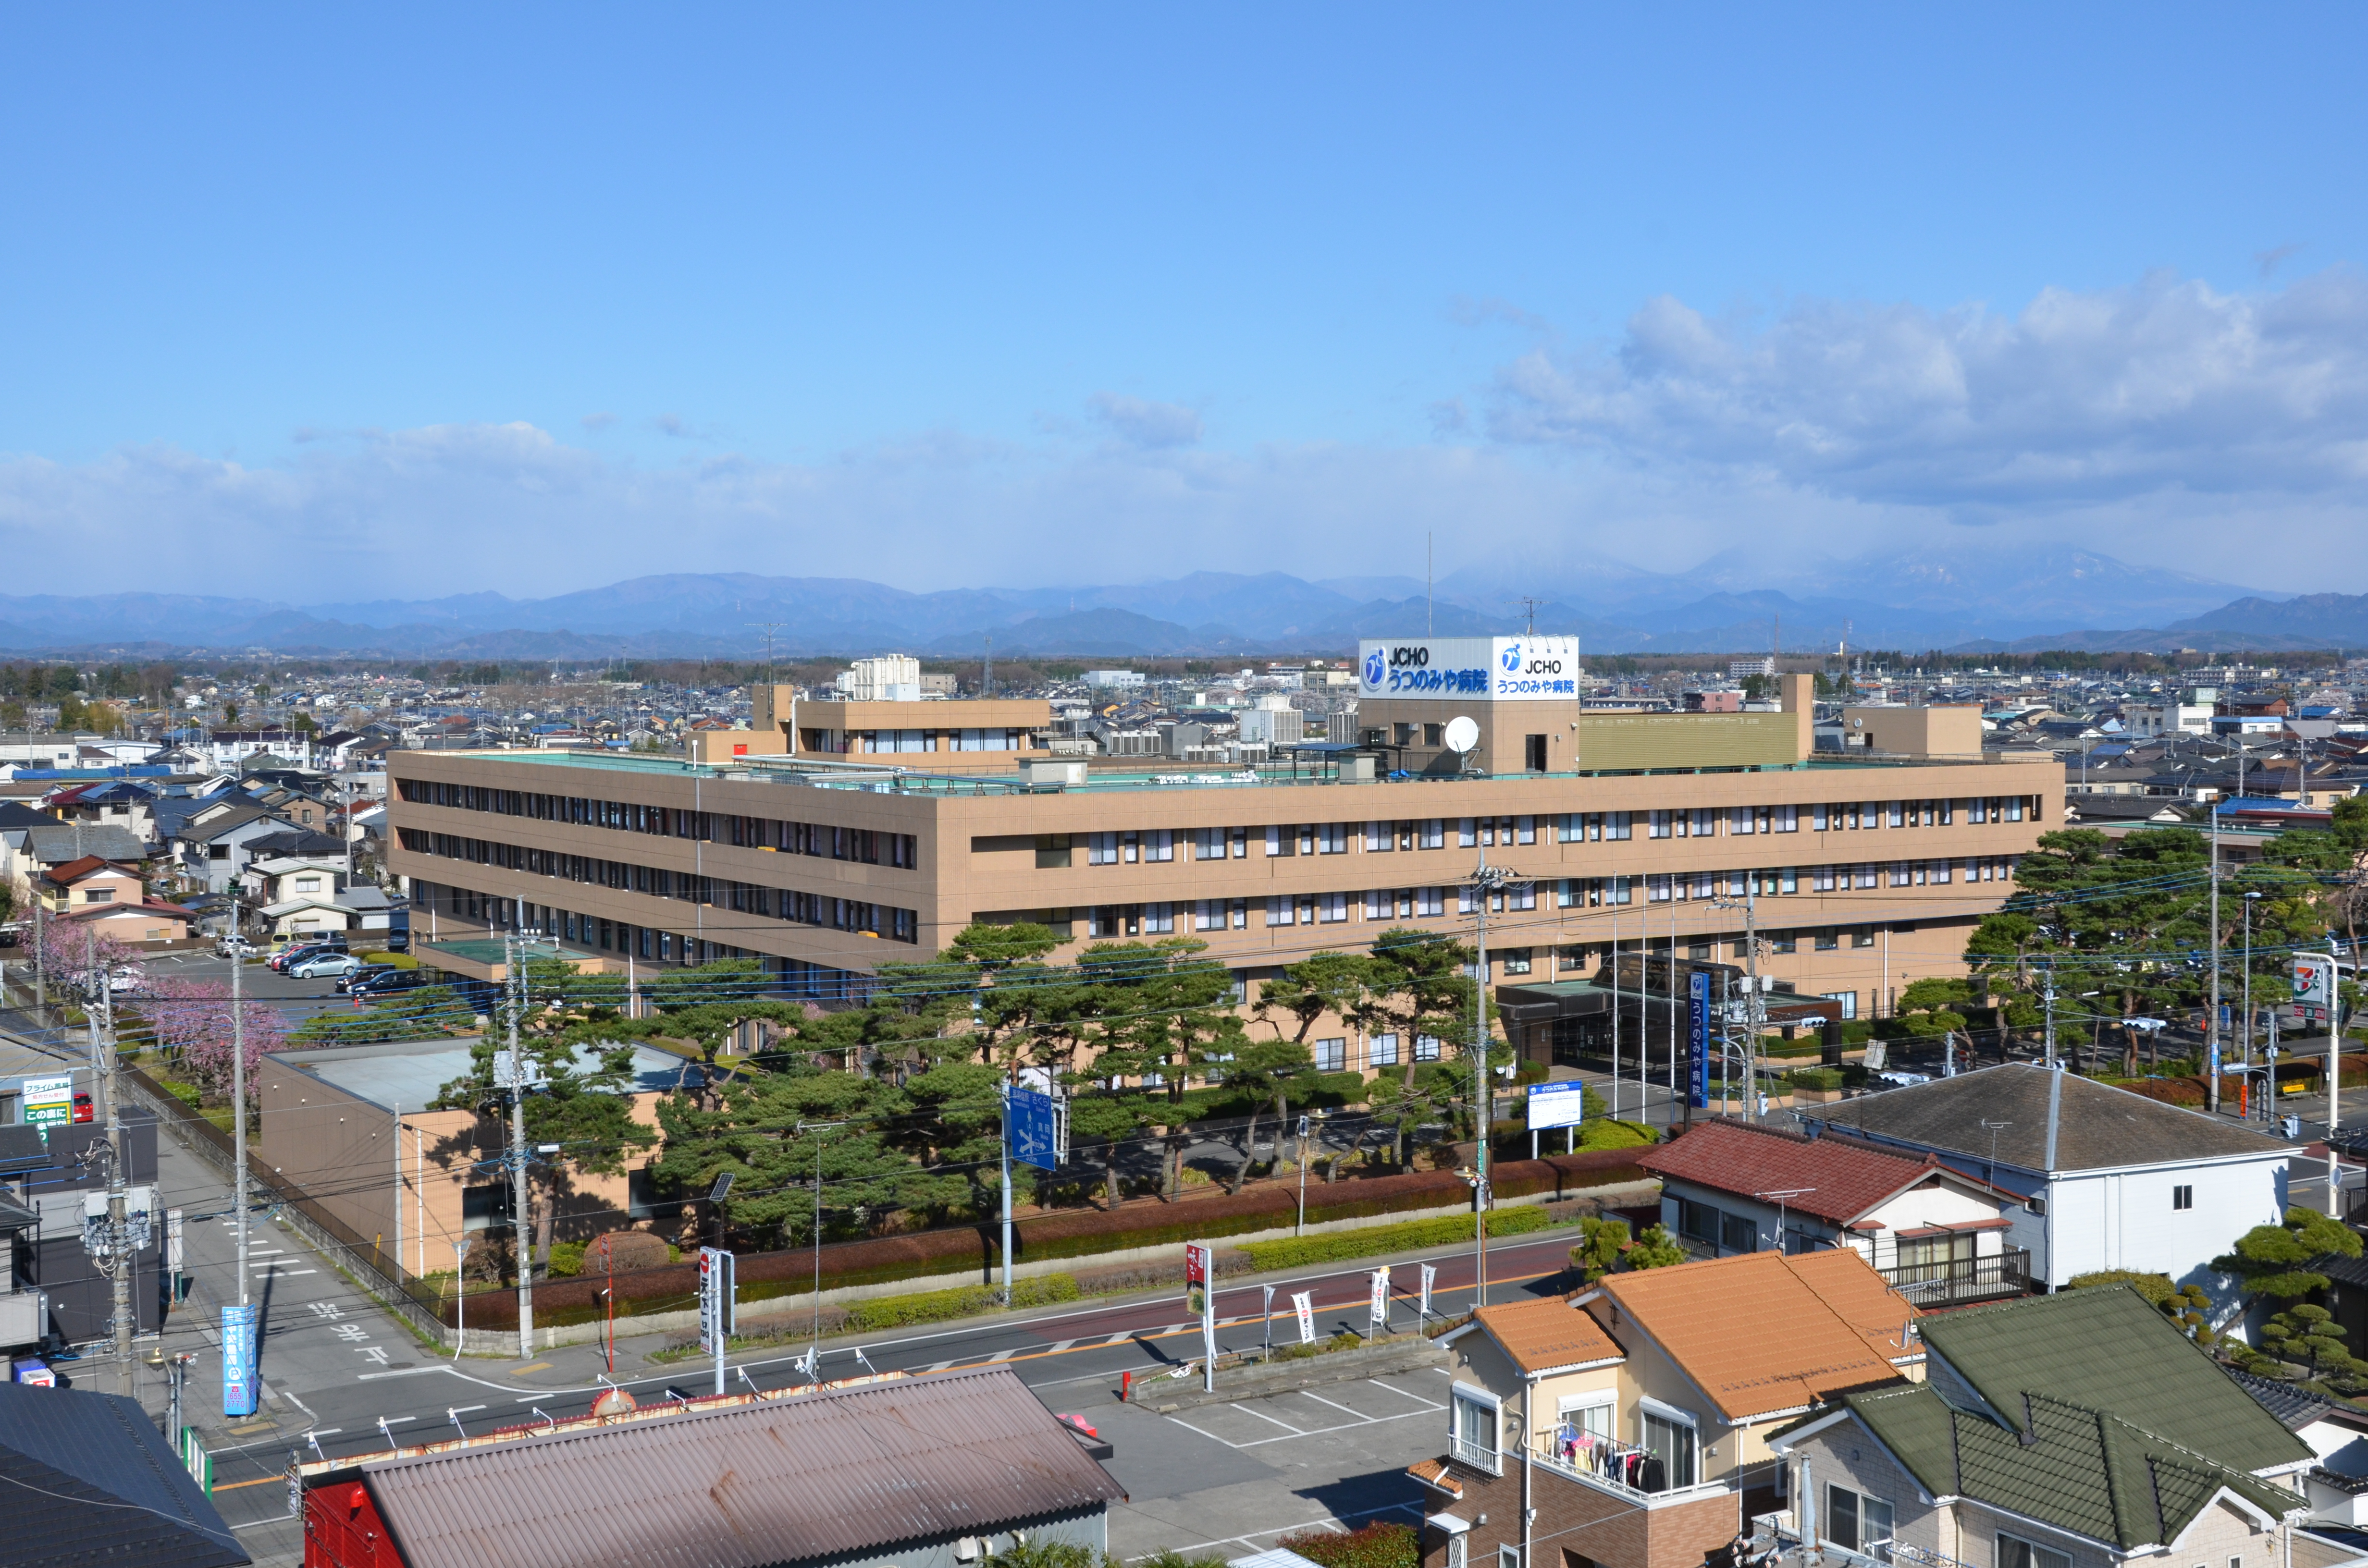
(191, 1021)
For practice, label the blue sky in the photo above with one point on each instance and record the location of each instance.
(1027, 294)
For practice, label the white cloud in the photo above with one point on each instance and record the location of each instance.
(1150, 425)
(2080, 400)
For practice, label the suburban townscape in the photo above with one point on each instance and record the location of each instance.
(784, 789)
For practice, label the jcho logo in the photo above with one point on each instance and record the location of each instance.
(1512, 658)
(1410, 658)
(1376, 667)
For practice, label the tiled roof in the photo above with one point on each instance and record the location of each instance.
(1435, 1472)
(1833, 1181)
(843, 1473)
(2294, 1408)
(2080, 1469)
(1762, 1333)
(2106, 1349)
(2092, 1126)
(1542, 1334)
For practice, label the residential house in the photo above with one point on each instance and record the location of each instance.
(32, 853)
(213, 845)
(230, 748)
(1936, 1236)
(2338, 1433)
(950, 1468)
(2078, 1428)
(1634, 1417)
(110, 899)
(2101, 1178)
(284, 877)
(351, 909)
(115, 802)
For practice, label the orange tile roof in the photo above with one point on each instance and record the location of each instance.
(1434, 1472)
(1542, 1334)
(1762, 1333)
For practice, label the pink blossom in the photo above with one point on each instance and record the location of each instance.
(191, 1021)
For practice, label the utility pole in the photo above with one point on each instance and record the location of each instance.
(101, 1018)
(2050, 996)
(1752, 1005)
(40, 963)
(1004, 1091)
(525, 1257)
(1485, 880)
(2212, 1009)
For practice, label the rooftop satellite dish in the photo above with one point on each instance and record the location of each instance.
(1463, 734)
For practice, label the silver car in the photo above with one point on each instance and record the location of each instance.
(322, 966)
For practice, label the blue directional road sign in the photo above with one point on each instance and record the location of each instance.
(1033, 1124)
(239, 1390)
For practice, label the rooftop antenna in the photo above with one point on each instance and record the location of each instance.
(987, 680)
(1530, 608)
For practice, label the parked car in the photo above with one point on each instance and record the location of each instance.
(367, 971)
(242, 946)
(297, 952)
(127, 977)
(84, 1110)
(322, 966)
(384, 981)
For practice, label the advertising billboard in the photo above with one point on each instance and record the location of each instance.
(1487, 670)
(1557, 1105)
(47, 1101)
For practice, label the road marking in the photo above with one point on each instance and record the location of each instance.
(530, 1367)
(999, 1356)
(1315, 1432)
(1065, 1345)
(938, 1366)
(1392, 1388)
(1327, 1519)
(1341, 1408)
(1294, 1431)
(466, 1409)
(1117, 1338)
(1210, 1436)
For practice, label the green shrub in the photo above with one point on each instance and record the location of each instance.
(2155, 1288)
(938, 1306)
(1605, 1133)
(1814, 1077)
(1300, 1251)
(1653, 1248)
(1384, 1545)
(566, 1259)
(1598, 1255)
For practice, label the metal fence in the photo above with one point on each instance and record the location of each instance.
(1964, 1280)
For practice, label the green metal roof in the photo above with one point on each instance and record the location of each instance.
(2106, 1349)
(2113, 1424)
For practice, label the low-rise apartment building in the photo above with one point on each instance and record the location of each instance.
(1864, 873)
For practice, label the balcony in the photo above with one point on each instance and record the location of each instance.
(1589, 1470)
(1961, 1281)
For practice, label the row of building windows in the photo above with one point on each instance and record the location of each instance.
(863, 845)
(1165, 917)
(827, 910)
(791, 977)
(912, 740)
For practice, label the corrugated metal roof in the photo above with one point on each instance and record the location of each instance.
(818, 1475)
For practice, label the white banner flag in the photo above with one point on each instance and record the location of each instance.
(1303, 1304)
(1429, 1275)
(1380, 1296)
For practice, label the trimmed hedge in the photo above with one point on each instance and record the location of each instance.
(938, 1306)
(1384, 1545)
(1073, 1233)
(1297, 1252)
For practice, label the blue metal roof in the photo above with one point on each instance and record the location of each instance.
(96, 1484)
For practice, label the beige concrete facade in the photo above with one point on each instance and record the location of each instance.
(408, 1176)
(985, 733)
(1939, 732)
(1866, 873)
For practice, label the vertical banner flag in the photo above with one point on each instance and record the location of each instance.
(239, 1391)
(1698, 1055)
(1429, 1275)
(1303, 1304)
(1381, 1305)
(1203, 1299)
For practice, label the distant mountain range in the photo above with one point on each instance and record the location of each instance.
(1970, 600)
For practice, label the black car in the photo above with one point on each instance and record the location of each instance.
(384, 980)
(356, 981)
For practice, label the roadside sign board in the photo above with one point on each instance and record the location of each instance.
(239, 1386)
(2313, 980)
(1035, 1129)
(715, 1303)
(1557, 1105)
(1198, 1280)
(1302, 1303)
(47, 1101)
(1698, 1042)
(1196, 1277)
(1381, 1303)
(1429, 1278)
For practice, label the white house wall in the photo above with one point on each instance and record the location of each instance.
(2124, 1219)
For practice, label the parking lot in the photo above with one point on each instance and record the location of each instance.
(1227, 1480)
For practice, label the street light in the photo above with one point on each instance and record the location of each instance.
(1299, 1225)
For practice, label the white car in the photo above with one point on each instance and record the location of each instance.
(127, 977)
(323, 965)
